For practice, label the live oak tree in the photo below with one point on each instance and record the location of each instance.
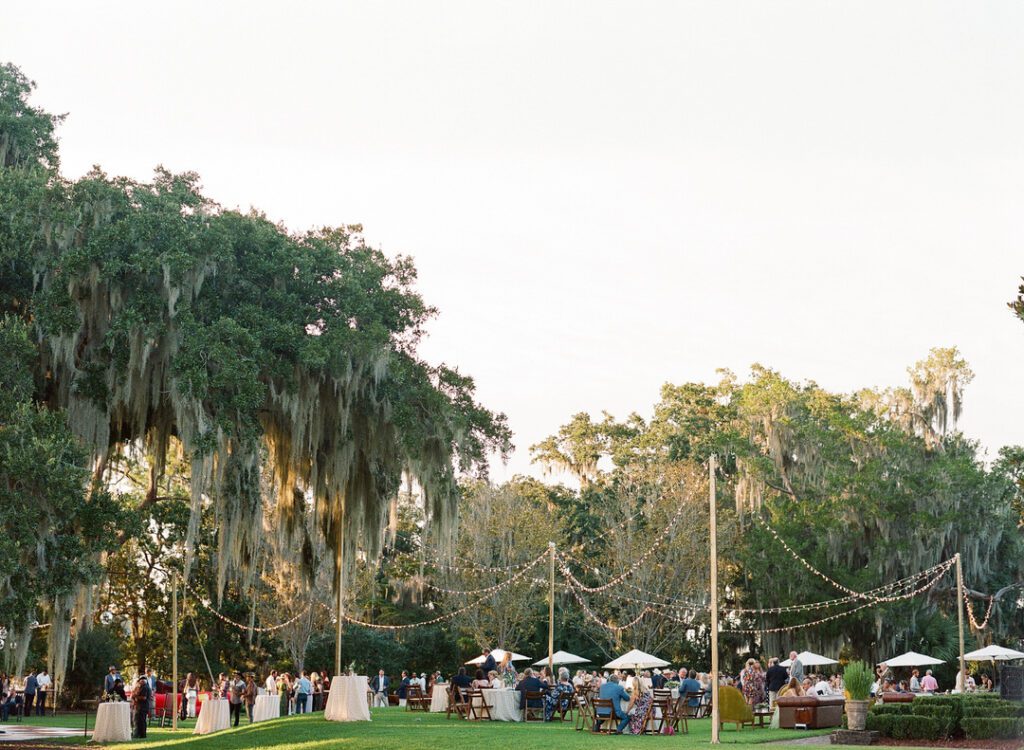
(167, 325)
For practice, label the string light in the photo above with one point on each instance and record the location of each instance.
(787, 628)
(970, 612)
(256, 628)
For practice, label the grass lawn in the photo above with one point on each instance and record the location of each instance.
(394, 727)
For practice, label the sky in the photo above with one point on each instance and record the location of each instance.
(602, 197)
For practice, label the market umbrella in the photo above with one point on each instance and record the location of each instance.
(809, 659)
(498, 655)
(911, 659)
(636, 659)
(994, 653)
(563, 657)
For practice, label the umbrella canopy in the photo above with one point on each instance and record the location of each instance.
(636, 659)
(809, 659)
(911, 659)
(498, 655)
(994, 653)
(563, 657)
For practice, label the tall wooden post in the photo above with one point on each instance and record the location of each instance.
(960, 617)
(715, 725)
(551, 612)
(174, 651)
(341, 607)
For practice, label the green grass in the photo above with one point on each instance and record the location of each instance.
(394, 727)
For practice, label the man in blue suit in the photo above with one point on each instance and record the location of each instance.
(530, 683)
(613, 691)
(489, 664)
(379, 687)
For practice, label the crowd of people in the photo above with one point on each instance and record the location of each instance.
(26, 695)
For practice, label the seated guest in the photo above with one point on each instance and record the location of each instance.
(791, 688)
(480, 681)
(690, 685)
(530, 683)
(903, 687)
(118, 689)
(807, 685)
(559, 698)
(821, 687)
(460, 682)
(986, 684)
(495, 679)
(612, 690)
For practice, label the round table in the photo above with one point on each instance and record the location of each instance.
(439, 698)
(113, 722)
(504, 703)
(266, 707)
(347, 699)
(214, 715)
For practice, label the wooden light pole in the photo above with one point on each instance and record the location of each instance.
(715, 726)
(960, 617)
(174, 651)
(551, 612)
(341, 607)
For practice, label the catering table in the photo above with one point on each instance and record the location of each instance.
(113, 722)
(347, 699)
(439, 698)
(504, 703)
(213, 717)
(266, 707)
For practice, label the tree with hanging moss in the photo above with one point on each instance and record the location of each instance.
(169, 326)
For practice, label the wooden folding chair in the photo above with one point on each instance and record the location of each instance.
(456, 703)
(675, 716)
(415, 700)
(604, 724)
(583, 712)
(534, 712)
(478, 708)
(695, 711)
(656, 715)
(665, 693)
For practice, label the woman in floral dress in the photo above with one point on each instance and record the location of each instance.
(641, 698)
(753, 682)
(559, 695)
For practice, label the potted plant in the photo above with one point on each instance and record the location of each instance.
(858, 678)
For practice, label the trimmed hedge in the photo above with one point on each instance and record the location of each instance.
(983, 729)
(993, 709)
(916, 728)
(889, 709)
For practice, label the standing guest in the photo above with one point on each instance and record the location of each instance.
(379, 687)
(318, 691)
(883, 673)
(111, 677)
(191, 695)
(44, 687)
(140, 706)
(403, 688)
(250, 695)
(753, 682)
(915, 681)
(271, 684)
(222, 686)
(303, 690)
(928, 683)
(235, 690)
(796, 667)
(775, 678)
(612, 690)
(489, 663)
(31, 686)
(506, 668)
(151, 681)
(284, 689)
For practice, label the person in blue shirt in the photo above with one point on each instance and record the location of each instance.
(303, 688)
(31, 685)
(690, 685)
(613, 691)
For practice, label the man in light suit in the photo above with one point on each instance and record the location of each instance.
(613, 691)
(796, 667)
(379, 687)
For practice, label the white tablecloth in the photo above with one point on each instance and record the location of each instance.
(347, 699)
(213, 716)
(113, 723)
(439, 698)
(266, 707)
(504, 704)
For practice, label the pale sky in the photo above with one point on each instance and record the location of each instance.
(602, 196)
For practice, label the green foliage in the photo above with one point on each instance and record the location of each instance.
(913, 727)
(890, 709)
(987, 728)
(858, 678)
(93, 651)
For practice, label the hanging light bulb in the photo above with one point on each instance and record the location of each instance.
(107, 617)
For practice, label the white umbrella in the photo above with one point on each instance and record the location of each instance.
(911, 659)
(809, 659)
(994, 653)
(498, 655)
(636, 659)
(563, 657)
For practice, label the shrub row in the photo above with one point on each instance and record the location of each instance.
(993, 709)
(906, 726)
(985, 728)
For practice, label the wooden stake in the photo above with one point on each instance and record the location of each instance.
(715, 724)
